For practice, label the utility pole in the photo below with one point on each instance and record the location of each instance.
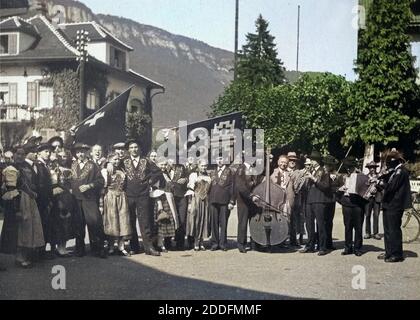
(82, 42)
(298, 36)
(236, 36)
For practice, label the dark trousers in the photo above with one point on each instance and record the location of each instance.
(87, 213)
(140, 209)
(181, 204)
(375, 206)
(245, 211)
(392, 233)
(219, 220)
(316, 211)
(329, 223)
(294, 220)
(353, 220)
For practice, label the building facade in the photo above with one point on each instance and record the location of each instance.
(33, 50)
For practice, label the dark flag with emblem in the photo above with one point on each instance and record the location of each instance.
(107, 125)
(221, 131)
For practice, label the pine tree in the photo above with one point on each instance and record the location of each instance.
(258, 64)
(384, 103)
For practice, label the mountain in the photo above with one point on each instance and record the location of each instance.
(193, 73)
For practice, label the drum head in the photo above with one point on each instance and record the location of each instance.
(269, 230)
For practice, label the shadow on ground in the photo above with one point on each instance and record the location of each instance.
(114, 278)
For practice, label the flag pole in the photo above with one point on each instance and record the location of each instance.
(298, 40)
(236, 37)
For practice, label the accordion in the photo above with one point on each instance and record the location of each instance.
(357, 183)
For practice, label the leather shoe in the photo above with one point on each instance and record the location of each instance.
(382, 256)
(358, 253)
(223, 248)
(307, 250)
(214, 247)
(153, 252)
(124, 253)
(394, 259)
(377, 237)
(322, 253)
(346, 252)
(367, 236)
(241, 248)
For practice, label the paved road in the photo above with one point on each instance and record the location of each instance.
(221, 275)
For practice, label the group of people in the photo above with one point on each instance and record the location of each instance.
(50, 193)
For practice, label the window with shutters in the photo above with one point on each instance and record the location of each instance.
(8, 44)
(46, 97)
(32, 94)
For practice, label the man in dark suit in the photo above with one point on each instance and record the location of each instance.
(319, 195)
(141, 175)
(220, 204)
(45, 194)
(353, 211)
(244, 182)
(86, 183)
(396, 198)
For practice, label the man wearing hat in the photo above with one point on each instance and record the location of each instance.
(86, 183)
(45, 196)
(353, 212)
(141, 175)
(396, 198)
(319, 195)
(330, 166)
(374, 203)
(296, 226)
(120, 149)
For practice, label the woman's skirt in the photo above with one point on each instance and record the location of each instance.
(116, 216)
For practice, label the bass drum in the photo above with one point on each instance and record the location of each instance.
(269, 228)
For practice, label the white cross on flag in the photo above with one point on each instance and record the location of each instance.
(107, 125)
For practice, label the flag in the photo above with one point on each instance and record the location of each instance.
(107, 125)
(221, 131)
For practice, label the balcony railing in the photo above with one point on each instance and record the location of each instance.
(16, 113)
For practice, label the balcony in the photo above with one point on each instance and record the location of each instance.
(16, 113)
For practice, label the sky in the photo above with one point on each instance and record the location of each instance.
(328, 38)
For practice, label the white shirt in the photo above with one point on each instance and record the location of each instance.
(135, 161)
(81, 164)
(220, 170)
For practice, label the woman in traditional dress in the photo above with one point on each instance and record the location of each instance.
(116, 216)
(30, 236)
(198, 223)
(63, 202)
(10, 203)
(164, 211)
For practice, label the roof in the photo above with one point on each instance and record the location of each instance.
(18, 24)
(53, 44)
(96, 33)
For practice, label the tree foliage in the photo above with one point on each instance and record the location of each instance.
(137, 124)
(305, 115)
(258, 64)
(385, 97)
